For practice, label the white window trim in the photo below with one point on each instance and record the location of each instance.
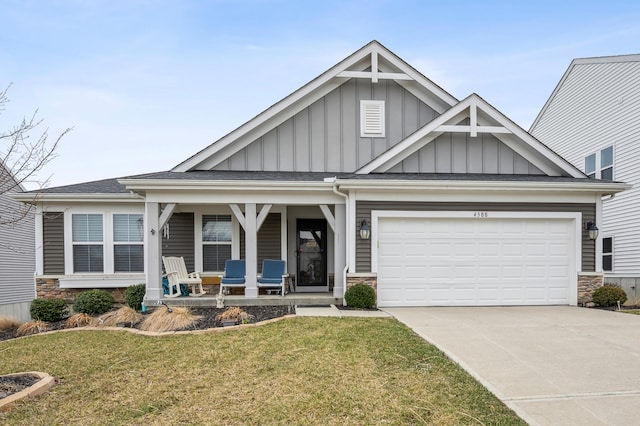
(372, 110)
(107, 239)
(598, 161)
(197, 230)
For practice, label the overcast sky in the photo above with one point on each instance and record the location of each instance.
(147, 84)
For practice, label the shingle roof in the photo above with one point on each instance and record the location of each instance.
(111, 186)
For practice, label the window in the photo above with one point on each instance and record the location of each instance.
(216, 241)
(607, 254)
(599, 165)
(128, 247)
(87, 240)
(372, 119)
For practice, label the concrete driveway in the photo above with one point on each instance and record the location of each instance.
(553, 365)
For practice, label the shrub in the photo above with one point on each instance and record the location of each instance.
(134, 295)
(360, 296)
(78, 320)
(609, 295)
(7, 323)
(162, 320)
(48, 309)
(93, 302)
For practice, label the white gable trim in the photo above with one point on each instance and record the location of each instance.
(524, 144)
(277, 114)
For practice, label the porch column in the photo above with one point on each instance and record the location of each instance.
(251, 249)
(152, 252)
(339, 249)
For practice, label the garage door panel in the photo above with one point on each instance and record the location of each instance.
(445, 261)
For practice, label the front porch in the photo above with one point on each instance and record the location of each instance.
(290, 299)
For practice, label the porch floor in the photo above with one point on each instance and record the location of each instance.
(290, 299)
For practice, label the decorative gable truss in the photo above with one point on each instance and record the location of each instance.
(476, 119)
(371, 73)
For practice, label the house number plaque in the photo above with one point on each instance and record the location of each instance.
(480, 214)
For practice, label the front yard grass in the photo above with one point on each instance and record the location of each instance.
(298, 371)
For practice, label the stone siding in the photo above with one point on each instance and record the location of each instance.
(370, 279)
(50, 288)
(587, 284)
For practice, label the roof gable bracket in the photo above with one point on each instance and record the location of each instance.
(242, 220)
(375, 73)
(473, 128)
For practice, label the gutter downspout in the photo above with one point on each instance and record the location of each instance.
(348, 223)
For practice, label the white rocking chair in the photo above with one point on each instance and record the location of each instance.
(177, 274)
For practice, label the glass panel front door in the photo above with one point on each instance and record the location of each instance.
(311, 253)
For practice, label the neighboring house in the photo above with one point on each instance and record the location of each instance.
(457, 204)
(17, 251)
(592, 118)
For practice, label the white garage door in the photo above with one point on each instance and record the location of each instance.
(474, 262)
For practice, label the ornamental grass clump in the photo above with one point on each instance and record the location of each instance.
(7, 323)
(48, 309)
(33, 327)
(234, 313)
(164, 319)
(93, 302)
(360, 296)
(124, 315)
(609, 295)
(79, 320)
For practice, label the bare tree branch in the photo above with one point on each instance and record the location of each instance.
(24, 151)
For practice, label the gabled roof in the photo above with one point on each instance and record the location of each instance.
(617, 59)
(484, 118)
(372, 61)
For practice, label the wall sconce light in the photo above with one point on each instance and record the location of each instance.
(593, 230)
(365, 232)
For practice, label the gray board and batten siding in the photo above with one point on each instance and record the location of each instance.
(364, 208)
(325, 137)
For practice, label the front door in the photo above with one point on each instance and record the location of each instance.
(311, 239)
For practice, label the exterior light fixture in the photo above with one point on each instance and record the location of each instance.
(593, 230)
(365, 232)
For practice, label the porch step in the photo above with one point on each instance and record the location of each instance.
(291, 299)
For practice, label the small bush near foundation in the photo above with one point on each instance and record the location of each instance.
(134, 295)
(361, 296)
(609, 295)
(93, 302)
(234, 313)
(124, 315)
(162, 320)
(48, 309)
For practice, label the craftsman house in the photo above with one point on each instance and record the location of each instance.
(592, 118)
(369, 173)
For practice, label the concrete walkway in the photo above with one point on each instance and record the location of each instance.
(333, 311)
(553, 365)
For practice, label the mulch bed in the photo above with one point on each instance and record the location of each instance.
(208, 314)
(14, 384)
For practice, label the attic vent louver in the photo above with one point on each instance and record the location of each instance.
(372, 119)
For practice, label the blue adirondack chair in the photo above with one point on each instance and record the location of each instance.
(234, 274)
(273, 272)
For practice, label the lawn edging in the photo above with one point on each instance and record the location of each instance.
(45, 383)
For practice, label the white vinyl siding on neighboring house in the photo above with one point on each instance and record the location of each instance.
(596, 106)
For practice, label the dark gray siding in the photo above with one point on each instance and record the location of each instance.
(325, 137)
(269, 241)
(181, 241)
(53, 247)
(364, 208)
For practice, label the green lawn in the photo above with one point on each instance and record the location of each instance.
(296, 371)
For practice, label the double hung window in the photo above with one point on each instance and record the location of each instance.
(128, 247)
(216, 241)
(607, 254)
(87, 239)
(599, 165)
